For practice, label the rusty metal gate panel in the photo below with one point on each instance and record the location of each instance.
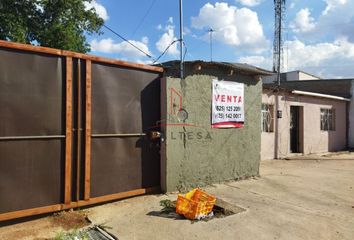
(32, 130)
(125, 108)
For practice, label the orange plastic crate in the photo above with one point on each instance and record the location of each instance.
(195, 204)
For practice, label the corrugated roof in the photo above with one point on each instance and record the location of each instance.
(305, 93)
(274, 87)
(336, 87)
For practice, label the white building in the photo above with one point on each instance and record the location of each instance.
(337, 87)
(297, 75)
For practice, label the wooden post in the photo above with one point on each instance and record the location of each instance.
(78, 131)
(68, 130)
(88, 132)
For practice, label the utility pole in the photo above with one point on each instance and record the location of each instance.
(181, 38)
(279, 7)
(211, 43)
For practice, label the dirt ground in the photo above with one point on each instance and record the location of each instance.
(46, 227)
(343, 155)
(299, 199)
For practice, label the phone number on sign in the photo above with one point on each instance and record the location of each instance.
(228, 115)
(228, 108)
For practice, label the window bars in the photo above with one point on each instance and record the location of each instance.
(327, 119)
(267, 118)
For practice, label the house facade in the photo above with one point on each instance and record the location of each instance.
(303, 122)
(337, 87)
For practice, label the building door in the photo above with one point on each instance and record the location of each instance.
(294, 129)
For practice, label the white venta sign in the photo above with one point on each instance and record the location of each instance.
(227, 104)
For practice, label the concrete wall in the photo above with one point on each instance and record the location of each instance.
(351, 119)
(314, 140)
(295, 75)
(290, 76)
(298, 76)
(196, 154)
(303, 76)
(269, 79)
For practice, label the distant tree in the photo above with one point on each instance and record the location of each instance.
(51, 23)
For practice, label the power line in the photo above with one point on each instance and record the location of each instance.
(163, 53)
(126, 40)
(143, 18)
(139, 49)
(185, 51)
(142, 51)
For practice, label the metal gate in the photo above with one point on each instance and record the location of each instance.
(74, 130)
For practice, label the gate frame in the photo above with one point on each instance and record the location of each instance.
(67, 201)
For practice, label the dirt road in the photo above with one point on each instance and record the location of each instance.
(299, 199)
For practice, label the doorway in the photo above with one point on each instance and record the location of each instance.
(296, 126)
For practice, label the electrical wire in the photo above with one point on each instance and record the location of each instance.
(163, 53)
(143, 18)
(142, 51)
(185, 51)
(126, 40)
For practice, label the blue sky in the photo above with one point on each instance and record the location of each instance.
(318, 35)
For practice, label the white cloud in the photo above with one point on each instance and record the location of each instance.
(167, 38)
(300, 54)
(145, 40)
(303, 21)
(327, 59)
(144, 61)
(186, 31)
(259, 61)
(333, 4)
(99, 8)
(232, 25)
(124, 49)
(336, 19)
(250, 3)
(323, 45)
(159, 27)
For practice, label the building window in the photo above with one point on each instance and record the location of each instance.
(327, 119)
(267, 118)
